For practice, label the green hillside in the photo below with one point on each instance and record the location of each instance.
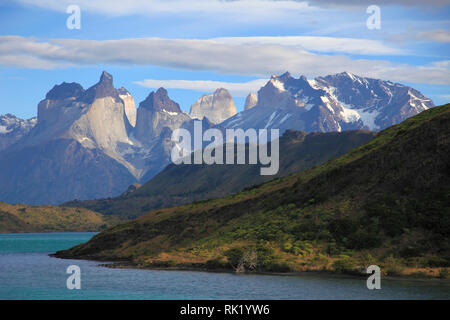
(25, 218)
(386, 202)
(181, 184)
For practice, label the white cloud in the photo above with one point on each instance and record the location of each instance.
(206, 55)
(365, 3)
(426, 36)
(250, 8)
(444, 64)
(237, 89)
(444, 96)
(435, 35)
(320, 44)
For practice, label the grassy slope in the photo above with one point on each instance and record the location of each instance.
(181, 184)
(26, 218)
(387, 202)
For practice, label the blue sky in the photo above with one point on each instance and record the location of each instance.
(234, 43)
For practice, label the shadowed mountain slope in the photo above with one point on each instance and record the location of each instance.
(179, 184)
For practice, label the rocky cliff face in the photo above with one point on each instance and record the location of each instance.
(276, 94)
(12, 129)
(130, 107)
(84, 145)
(59, 170)
(155, 113)
(333, 103)
(251, 101)
(217, 107)
(73, 151)
(95, 118)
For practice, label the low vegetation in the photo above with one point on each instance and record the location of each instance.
(25, 218)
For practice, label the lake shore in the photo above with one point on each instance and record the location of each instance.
(328, 273)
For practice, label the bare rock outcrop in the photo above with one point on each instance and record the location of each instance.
(251, 101)
(130, 107)
(217, 107)
(155, 113)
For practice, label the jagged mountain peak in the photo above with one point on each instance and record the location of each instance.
(130, 107)
(217, 107)
(159, 101)
(350, 78)
(10, 122)
(286, 82)
(285, 76)
(12, 129)
(103, 88)
(123, 91)
(222, 91)
(275, 94)
(347, 74)
(155, 113)
(251, 101)
(65, 90)
(106, 77)
(8, 116)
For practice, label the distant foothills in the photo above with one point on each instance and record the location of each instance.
(93, 143)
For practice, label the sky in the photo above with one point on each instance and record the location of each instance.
(192, 47)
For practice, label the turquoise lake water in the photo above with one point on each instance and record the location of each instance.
(27, 272)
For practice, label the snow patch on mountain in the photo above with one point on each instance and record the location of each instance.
(278, 84)
(285, 118)
(12, 129)
(4, 129)
(269, 122)
(170, 113)
(349, 115)
(337, 102)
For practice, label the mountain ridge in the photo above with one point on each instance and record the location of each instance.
(179, 184)
(21, 218)
(217, 106)
(333, 103)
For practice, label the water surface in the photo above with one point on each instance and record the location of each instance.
(27, 272)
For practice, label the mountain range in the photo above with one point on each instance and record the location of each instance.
(185, 183)
(333, 103)
(13, 129)
(385, 203)
(93, 143)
